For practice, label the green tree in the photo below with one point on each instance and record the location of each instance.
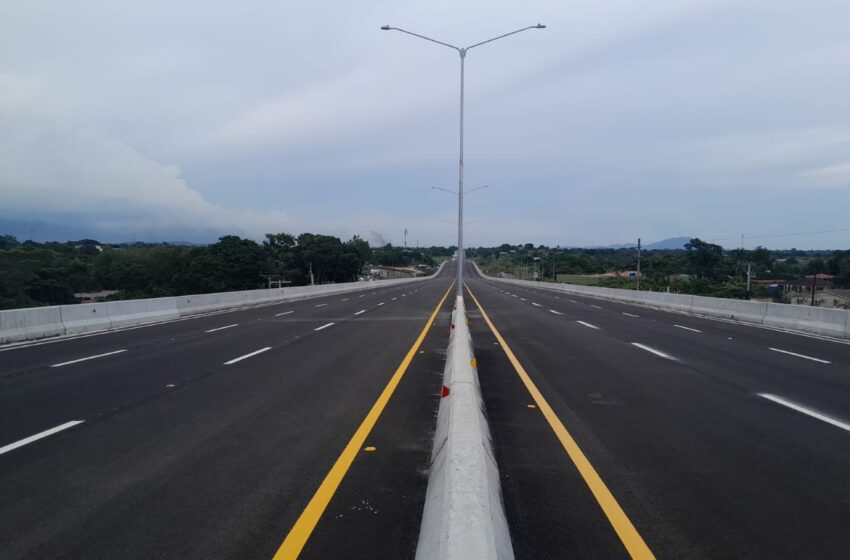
(705, 258)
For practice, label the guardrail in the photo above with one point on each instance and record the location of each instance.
(18, 325)
(464, 517)
(811, 320)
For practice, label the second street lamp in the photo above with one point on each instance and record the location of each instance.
(462, 52)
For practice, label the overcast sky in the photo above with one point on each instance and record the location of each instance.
(623, 119)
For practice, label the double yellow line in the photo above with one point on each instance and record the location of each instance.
(624, 528)
(309, 518)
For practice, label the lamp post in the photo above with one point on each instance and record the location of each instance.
(466, 193)
(462, 52)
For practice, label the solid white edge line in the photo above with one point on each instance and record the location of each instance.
(555, 312)
(246, 356)
(687, 328)
(804, 410)
(38, 436)
(651, 350)
(360, 312)
(87, 358)
(284, 313)
(324, 326)
(800, 355)
(588, 325)
(222, 328)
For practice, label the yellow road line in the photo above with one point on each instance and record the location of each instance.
(309, 518)
(633, 542)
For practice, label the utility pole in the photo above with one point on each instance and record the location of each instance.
(405, 238)
(749, 276)
(312, 280)
(814, 285)
(638, 266)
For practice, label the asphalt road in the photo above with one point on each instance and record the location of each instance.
(208, 437)
(217, 436)
(717, 440)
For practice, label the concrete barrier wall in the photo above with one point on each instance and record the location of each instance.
(138, 312)
(87, 317)
(464, 516)
(18, 325)
(29, 324)
(813, 320)
(830, 322)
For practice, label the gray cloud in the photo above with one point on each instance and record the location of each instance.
(622, 119)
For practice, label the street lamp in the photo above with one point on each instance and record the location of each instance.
(462, 52)
(466, 193)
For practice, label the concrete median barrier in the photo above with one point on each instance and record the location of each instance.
(464, 516)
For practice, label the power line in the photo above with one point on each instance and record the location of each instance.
(798, 233)
(773, 235)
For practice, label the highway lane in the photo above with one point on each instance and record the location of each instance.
(220, 465)
(810, 369)
(822, 347)
(377, 510)
(35, 395)
(701, 464)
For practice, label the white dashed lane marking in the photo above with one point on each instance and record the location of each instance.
(88, 358)
(38, 436)
(808, 411)
(246, 356)
(651, 350)
(801, 356)
(222, 328)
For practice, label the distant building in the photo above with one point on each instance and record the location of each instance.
(94, 297)
(803, 285)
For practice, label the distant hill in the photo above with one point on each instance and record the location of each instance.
(668, 244)
(672, 243)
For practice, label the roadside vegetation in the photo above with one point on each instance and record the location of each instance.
(35, 274)
(701, 268)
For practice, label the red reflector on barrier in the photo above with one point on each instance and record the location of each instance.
(445, 392)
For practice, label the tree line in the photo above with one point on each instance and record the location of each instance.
(700, 268)
(35, 274)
